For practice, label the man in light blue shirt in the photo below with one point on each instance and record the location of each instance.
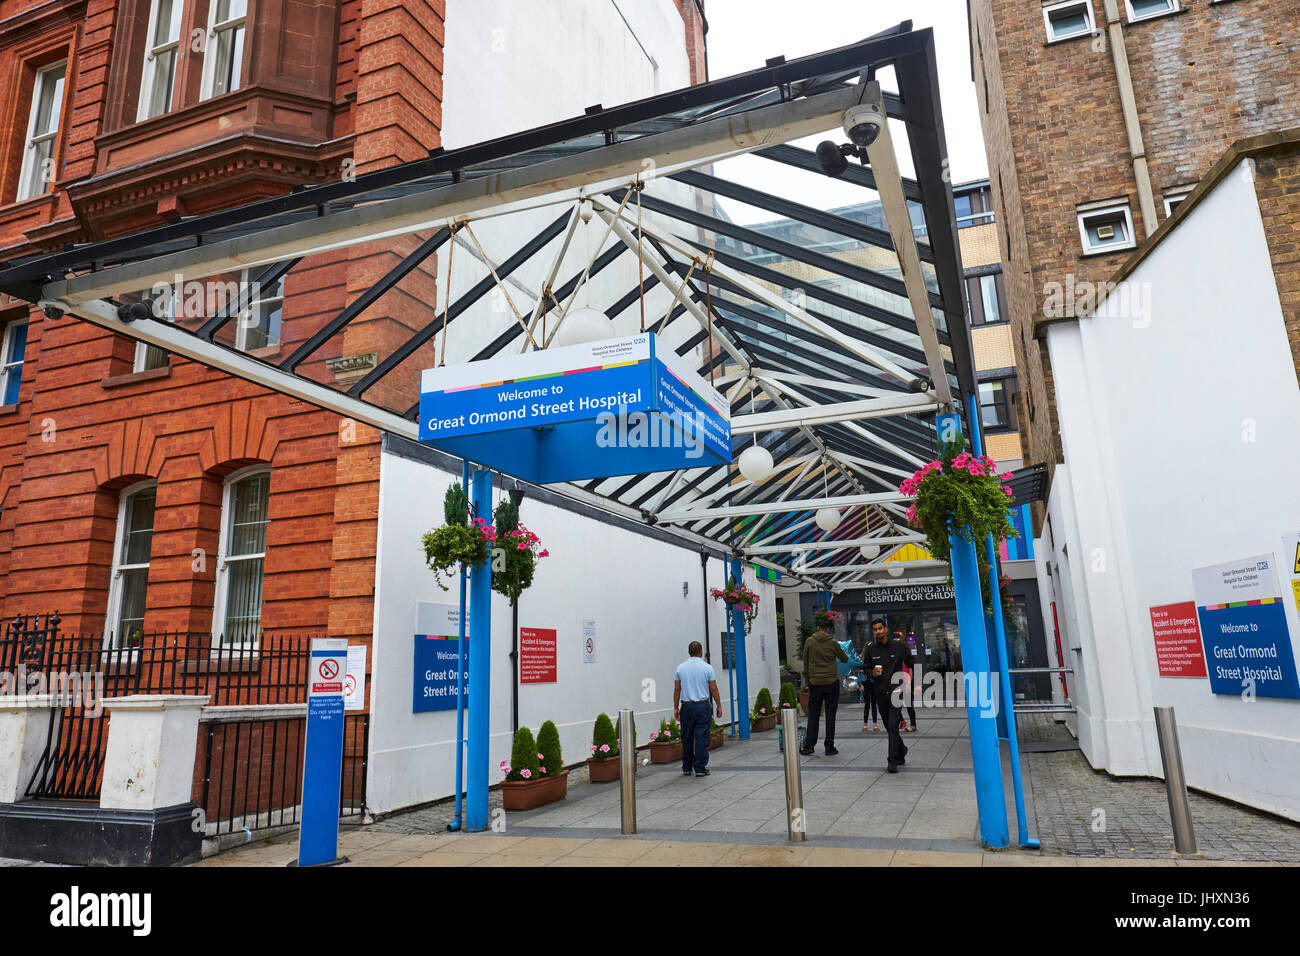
(694, 685)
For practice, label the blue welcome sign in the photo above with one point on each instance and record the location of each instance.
(615, 407)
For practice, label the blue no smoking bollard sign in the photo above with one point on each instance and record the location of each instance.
(322, 772)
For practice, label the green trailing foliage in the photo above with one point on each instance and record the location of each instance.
(457, 541)
(604, 738)
(548, 749)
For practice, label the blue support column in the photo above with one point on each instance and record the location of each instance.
(739, 663)
(458, 821)
(480, 670)
(999, 641)
(981, 715)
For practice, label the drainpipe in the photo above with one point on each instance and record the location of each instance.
(704, 599)
(1128, 103)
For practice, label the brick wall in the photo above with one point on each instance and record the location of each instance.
(1277, 183)
(85, 427)
(1055, 139)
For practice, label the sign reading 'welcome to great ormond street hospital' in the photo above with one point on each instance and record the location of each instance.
(615, 407)
(1244, 627)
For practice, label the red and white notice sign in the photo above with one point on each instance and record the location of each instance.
(536, 655)
(1179, 652)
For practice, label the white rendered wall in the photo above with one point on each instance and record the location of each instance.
(1180, 439)
(511, 66)
(629, 584)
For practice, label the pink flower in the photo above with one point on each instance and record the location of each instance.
(540, 757)
(525, 773)
(543, 553)
(593, 748)
(543, 769)
(654, 735)
(1005, 476)
(604, 748)
(1006, 490)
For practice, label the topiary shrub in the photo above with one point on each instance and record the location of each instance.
(789, 697)
(524, 764)
(763, 702)
(548, 749)
(604, 739)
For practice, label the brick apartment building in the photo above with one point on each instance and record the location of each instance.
(145, 492)
(1099, 117)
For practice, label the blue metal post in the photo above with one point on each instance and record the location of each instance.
(982, 720)
(458, 821)
(480, 673)
(739, 664)
(1004, 672)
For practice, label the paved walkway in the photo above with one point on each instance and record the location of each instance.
(857, 815)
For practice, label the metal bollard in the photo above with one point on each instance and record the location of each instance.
(1180, 811)
(794, 812)
(627, 770)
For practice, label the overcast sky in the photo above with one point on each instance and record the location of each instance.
(745, 33)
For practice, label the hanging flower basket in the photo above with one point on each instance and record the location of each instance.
(520, 550)
(460, 541)
(737, 595)
(961, 495)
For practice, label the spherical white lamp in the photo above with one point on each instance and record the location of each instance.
(756, 463)
(870, 551)
(896, 570)
(828, 519)
(584, 325)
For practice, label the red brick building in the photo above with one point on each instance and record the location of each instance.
(1099, 117)
(142, 491)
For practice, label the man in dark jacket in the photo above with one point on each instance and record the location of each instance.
(883, 660)
(820, 652)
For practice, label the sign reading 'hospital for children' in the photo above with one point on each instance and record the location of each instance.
(1244, 626)
(615, 407)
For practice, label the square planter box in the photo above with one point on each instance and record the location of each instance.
(716, 740)
(803, 700)
(527, 794)
(670, 752)
(603, 770)
(763, 723)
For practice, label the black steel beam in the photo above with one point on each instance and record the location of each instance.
(365, 300)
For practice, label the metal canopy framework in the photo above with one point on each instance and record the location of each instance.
(835, 334)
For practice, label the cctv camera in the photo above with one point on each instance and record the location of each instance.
(862, 124)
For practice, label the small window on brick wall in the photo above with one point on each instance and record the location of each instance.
(1106, 229)
(1073, 18)
(1144, 9)
(42, 132)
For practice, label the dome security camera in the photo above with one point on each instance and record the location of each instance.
(862, 124)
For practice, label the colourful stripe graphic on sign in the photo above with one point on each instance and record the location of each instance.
(686, 385)
(535, 378)
(1255, 603)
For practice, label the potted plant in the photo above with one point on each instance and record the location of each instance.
(460, 541)
(666, 743)
(787, 696)
(603, 764)
(737, 595)
(716, 735)
(962, 496)
(530, 783)
(763, 716)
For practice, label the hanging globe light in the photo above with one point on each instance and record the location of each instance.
(584, 325)
(896, 570)
(870, 551)
(828, 519)
(756, 463)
